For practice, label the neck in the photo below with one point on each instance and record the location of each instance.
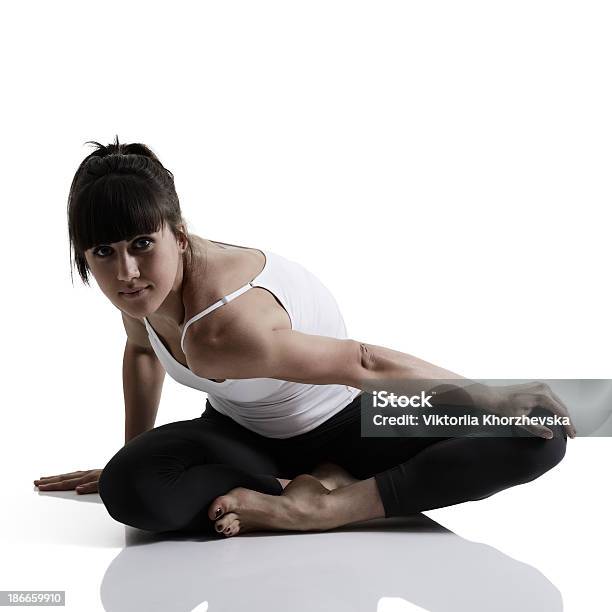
(172, 308)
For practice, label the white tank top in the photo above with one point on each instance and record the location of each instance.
(270, 407)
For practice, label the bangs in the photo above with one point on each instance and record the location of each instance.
(119, 191)
(115, 207)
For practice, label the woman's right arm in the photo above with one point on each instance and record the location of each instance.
(143, 379)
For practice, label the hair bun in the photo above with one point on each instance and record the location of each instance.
(96, 166)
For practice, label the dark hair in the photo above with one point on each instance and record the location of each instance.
(118, 192)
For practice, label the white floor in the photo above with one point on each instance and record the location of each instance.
(542, 546)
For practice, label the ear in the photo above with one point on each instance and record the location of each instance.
(181, 238)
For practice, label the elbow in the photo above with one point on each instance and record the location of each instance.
(366, 357)
(363, 371)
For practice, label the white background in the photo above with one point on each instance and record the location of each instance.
(443, 167)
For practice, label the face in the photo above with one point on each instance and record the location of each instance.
(137, 275)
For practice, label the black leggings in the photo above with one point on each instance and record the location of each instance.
(165, 479)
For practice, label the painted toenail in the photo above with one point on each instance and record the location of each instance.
(219, 528)
(218, 512)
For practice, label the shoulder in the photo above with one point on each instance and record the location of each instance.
(252, 350)
(225, 272)
(237, 338)
(245, 320)
(237, 342)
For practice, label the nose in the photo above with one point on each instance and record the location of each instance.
(127, 267)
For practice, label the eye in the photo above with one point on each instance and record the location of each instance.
(96, 251)
(143, 242)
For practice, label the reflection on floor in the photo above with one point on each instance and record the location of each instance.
(350, 569)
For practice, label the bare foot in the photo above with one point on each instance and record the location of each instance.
(332, 476)
(301, 507)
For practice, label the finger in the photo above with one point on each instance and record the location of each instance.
(50, 479)
(556, 407)
(62, 485)
(58, 476)
(87, 487)
(571, 430)
(538, 430)
(66, 474)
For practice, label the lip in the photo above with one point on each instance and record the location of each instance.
(134, 294)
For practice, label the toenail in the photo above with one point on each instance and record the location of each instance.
(219, 528)
(218, 512)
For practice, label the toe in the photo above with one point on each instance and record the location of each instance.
(225, 521)
(218, 508)
(232, 529)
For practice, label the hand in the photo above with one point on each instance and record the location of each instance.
(82, 481)
(517, 400)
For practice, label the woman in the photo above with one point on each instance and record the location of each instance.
(279, 444)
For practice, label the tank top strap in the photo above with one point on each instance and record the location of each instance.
(223, 300)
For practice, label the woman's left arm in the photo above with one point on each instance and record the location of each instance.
(251, 351)
(283, 354)
(369, 367)
(320, 360)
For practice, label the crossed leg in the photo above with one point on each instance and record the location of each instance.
(210, 473)
(395, 477)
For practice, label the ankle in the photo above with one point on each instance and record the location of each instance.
(313, 513)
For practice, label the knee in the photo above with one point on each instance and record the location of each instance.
(117, 487)
(112, 485)
(127, 490)
(537, 456)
